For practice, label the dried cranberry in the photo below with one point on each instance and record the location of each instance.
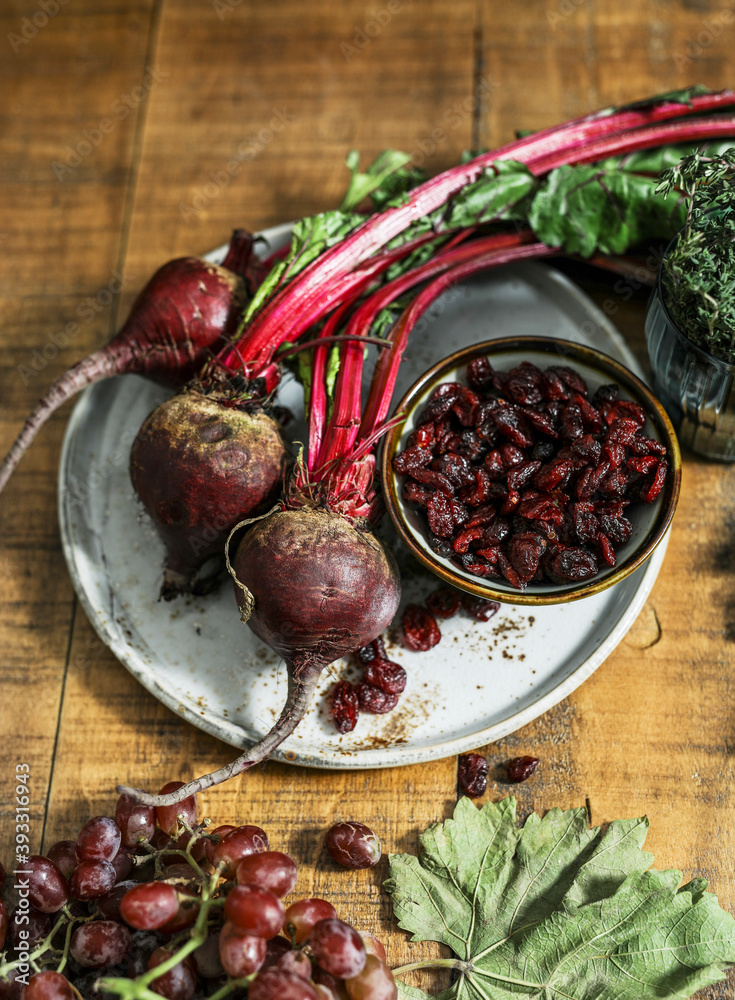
(375, 701)
(479, 374)
(444, 515)
(472, 774)
(521, 768)
(443, 603)
(480, 608)
(406, 461)
(522, 474)
(513, 425)
(375, 650)
(386, 675)
(440, 401)
(345, 706)
(427, 477)
(573, 564)
(420, 629)
(524, 551)
(416, 495)
(655, 484)
(570, 378)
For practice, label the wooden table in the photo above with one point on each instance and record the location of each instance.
(119, 121)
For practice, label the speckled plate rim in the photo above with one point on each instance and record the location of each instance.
(568, 352)
(273, 238)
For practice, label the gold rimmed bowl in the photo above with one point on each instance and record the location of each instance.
(650, 521)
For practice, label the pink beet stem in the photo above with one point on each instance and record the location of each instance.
(288, 313)
(302, 682)
(387, 372)
(345, 424)
(97, 366)
(694, 130)
(318, 393)
(253, 349)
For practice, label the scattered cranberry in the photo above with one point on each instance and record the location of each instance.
(472, 771)
(521, 768)
(345, 706)
(374, 701)
(444, 603)
(420, 629)
(386, 675)
(479, 608)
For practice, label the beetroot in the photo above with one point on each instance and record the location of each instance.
(201, 463)
(188, 310)
(314, 587)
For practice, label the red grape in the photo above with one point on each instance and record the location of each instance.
(101, 943)
(99, 840)
(37, 927)
(178, 983)
(4, 922)
(64, 855)
(144, 943)
(302, 915)
(47, 888)
(324, 992)
(240, 954)
(375, 982)
(335, 987)
(206, 958)
(136, 821)
(373, 946)
(275, 947)
(273, 984)
(9, 988)
(167, 816)
(122, 863)
(353, 845)
(220, 832)
(109, 904)
(186, 913)
(48, 986)
(255, 911)
(238, 844)
(92, 879)
(269, 870)
(296, 962)
(338, 948)
(149, 905)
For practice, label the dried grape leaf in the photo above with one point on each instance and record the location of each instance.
(557, 911)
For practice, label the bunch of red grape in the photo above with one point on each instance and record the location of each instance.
(151, 900)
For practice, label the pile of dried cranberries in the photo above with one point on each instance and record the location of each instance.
(522, 476)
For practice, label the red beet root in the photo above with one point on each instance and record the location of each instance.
(186, 312)
(317, 588)
(200, 464)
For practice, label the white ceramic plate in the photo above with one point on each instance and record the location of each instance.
(481, 682)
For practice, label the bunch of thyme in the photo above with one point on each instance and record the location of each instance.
(698, 273)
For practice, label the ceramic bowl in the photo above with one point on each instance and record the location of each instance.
(650, 521)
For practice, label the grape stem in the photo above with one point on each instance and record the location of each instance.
(45, 945)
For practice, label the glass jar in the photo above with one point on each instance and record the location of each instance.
(695, 387)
